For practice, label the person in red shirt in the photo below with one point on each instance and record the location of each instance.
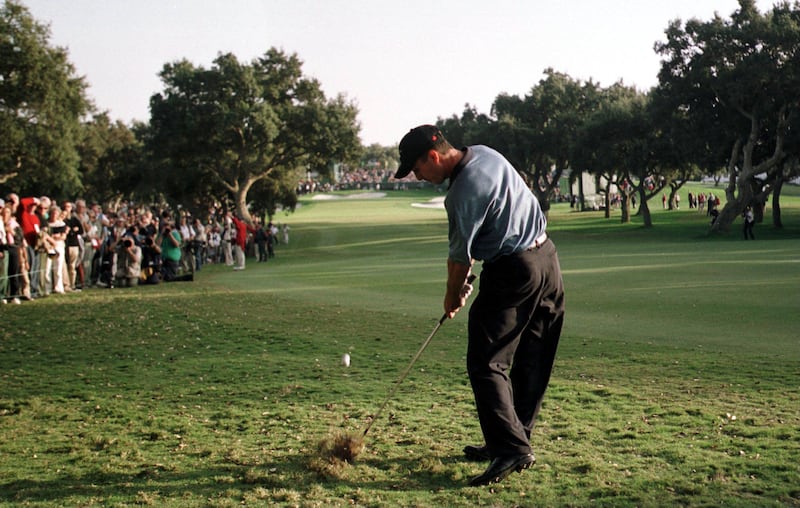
(240, 243)
(28, 217)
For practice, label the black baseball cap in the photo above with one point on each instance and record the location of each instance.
(414, 145)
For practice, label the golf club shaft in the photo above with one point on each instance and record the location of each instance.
(397, 383)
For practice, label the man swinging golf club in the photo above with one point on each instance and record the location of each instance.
(515, 321)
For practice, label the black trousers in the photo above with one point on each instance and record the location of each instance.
(14, 272)
(514, 326)
(748, 231)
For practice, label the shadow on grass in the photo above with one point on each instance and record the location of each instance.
(153, 482)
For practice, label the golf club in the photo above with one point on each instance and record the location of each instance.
(346, 446)
(402, 377)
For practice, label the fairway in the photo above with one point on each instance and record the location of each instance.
(677, 381)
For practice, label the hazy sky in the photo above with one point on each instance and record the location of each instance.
(403, 62)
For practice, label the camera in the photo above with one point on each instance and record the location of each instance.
(148, 241)
(127, 243)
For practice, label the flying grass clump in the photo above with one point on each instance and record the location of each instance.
(335, 452)
(343, 446)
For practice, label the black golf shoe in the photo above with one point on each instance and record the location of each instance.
(502, 467)
(478, 453)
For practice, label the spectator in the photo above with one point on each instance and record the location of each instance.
(228, 238)
(28, 218)
(170, 245)
(261, 242)
(3, 257)
(285, 231)
(199, 243)
(170, 251)
(13, 244)
(98, 231)
(187, 237)
(240, 243)
(272, 238)
(56, 260)
(273, 229)
(83, 269)
(214, 242)
(151, 262)
(72, 246)
(129, 262)
(44, 247)
(749, 221)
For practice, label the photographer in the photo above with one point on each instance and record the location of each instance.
(170, 243)
(151, 262)
(129, 262)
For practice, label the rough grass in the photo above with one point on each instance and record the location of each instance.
(675, 383)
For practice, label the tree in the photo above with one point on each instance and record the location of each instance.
(618, 143)
(740, 76)
(112, 163)
(536, 133)
(41, 105)
(379, 157)
(235, 125)
(471, 128)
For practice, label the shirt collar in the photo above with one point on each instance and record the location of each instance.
(463, 162)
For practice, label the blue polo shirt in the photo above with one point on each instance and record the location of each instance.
(490, 210)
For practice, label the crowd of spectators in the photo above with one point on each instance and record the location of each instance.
(373, 179)
(48, 247)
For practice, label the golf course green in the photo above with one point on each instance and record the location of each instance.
(677, 381)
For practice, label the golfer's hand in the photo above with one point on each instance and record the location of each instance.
(466, 290)
(452, 304)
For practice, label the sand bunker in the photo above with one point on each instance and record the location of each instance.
(437, 202)
(364, 195)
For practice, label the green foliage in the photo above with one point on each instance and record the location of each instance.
(41, 104)
(112, 161)
(675, 382)
(536, 132)
(734, 84)
(379, 156)
(231, 126)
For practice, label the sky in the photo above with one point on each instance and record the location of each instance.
(403, 63)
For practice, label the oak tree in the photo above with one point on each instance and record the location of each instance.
(234, 125)
(42, 102)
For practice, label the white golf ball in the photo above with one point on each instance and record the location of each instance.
(346, 360)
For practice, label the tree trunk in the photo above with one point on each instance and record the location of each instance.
(758, 211)
(671, 198)
(625, 208)
(544, 201)
(776, 204)
(240, 197)
(644, 208)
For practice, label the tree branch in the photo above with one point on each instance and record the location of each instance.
(7, 177)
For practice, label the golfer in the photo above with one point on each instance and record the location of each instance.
(515, 321)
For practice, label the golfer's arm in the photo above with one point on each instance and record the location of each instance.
(456, 278)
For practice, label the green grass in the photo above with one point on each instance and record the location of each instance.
(676, 382)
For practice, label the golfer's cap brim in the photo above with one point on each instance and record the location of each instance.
(404, 170)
